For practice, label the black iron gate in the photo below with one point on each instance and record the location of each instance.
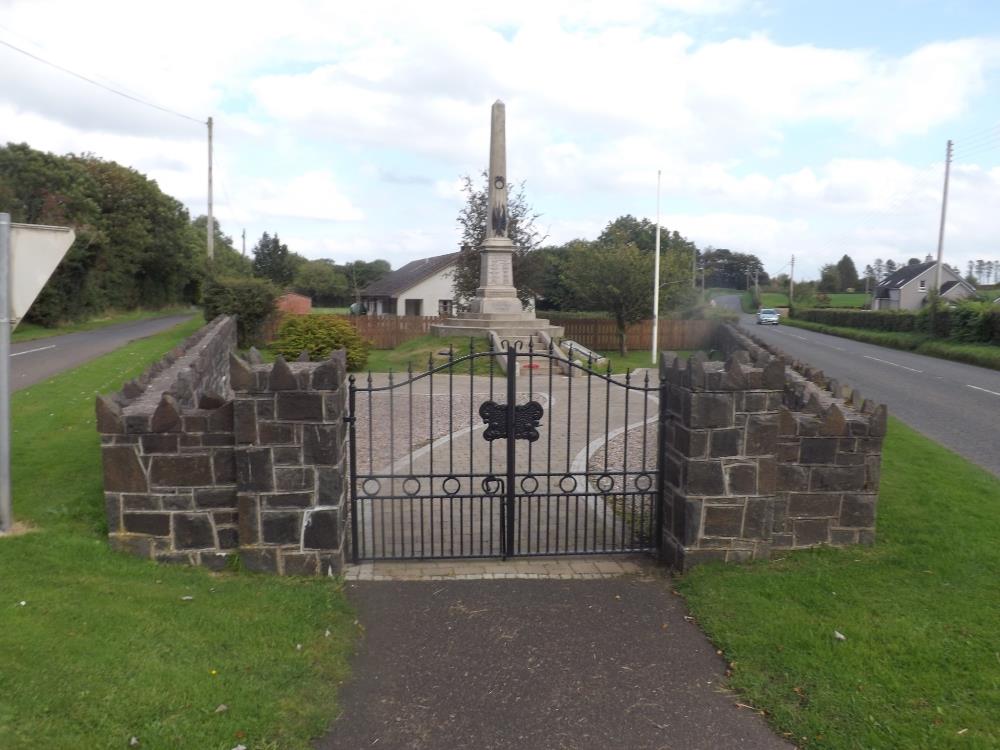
(470, 459)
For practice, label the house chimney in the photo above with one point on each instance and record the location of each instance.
(928, 259)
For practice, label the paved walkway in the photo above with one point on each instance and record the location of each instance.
(603, 662)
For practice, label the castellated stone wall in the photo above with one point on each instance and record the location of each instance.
(209, 459)
(759, 456)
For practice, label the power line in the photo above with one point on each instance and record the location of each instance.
(99, 84)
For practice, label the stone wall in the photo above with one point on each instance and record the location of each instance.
(209, 460)
(759, 456)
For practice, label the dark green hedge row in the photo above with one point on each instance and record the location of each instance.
(969, 321)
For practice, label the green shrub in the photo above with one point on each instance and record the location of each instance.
(250, 300)
(320, 335)
(872, 320)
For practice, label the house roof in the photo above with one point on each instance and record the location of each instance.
(903, 276)
(948, 285)
(398, 281)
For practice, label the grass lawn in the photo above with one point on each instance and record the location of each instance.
(920, 667)
(104, 648)
(849, 299)
(416, 352)
(634, 360)
(773, 299)
(329, 311)
(30, 331)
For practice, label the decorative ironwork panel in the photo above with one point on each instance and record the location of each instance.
(527, 418)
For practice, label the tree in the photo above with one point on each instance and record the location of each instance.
(520, 228)
(361, 273)
(271, 260)
(890, 267)
(322, 281)
(613, 277)
(829, 278)
(879, 269)
(848, 274)
(724, 268)
(228, 261)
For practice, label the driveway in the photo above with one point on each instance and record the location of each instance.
(953, 403)
(536, 664)
(34, 361)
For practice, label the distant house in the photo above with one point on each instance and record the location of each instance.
(421, 287)
(907, 288)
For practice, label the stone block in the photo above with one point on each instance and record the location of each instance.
(160, 443)
(754, 401)
(287, 455)
(850, 459)
(181, 471)
(294, 478)
(281, 377)
(723, 520)
(280, 527)
(157, 524)
(224, 465)
(672, 472)
(330, 484)
(708, 409)
(113, 512)
(240, 374)
(762, 435)
(217, 561)
(756, 518)
(322, 444)
(811, 531)
(792, 478)
(704, 478)
(249, 525)
(141, 502)
(276, 433)
(334, 405)
(254, 472)
(858, 511)
(137, 424)
(176, 558)
(834, 422)
(167, 416)
(837, 478)
(787, 424)
(229, 537)
(767, 480)
(788, 451)
(193, 531)
(195, 423)
(873, 472)
(879, 421)
(300, 564)
(332, 373)
(259, 559)
(265, 408)
(842, 537)
(689, 521)
(109, 416)
(689, 558)
(818, 450)
(287, 500)
(782, 540)
(813, 505)
(183, 501)
(331, 563)
(217, 497)
(322, 529)
(691, 443)
(217, 439)
(300, 406)
(191, 440)
(741, 479)
(245, 421)
(222, 419)
(122, 470)
(726, 442)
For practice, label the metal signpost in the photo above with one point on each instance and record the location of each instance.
(28, 255)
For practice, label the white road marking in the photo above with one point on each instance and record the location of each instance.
(30, 351)
(984, 390)
(794, 335)
(887, 362)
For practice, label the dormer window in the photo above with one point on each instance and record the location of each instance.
(923, 285)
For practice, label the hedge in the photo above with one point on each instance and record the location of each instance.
(969, 322)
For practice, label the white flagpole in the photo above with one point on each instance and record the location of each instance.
(656, 274)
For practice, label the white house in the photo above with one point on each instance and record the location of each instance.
(907, 288)
(421, 287)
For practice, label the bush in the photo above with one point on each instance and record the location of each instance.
(877, 320)
(250, 300)
(320, 335)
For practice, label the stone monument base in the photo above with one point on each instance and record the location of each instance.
(506, 325)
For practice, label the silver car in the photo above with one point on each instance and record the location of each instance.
(767, 316)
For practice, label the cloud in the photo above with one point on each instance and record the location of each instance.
(313, 195)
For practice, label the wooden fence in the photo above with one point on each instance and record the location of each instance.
(601, 334)
(389, 331)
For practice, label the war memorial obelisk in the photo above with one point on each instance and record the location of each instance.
(496, 306)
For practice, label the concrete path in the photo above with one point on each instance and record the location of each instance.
(34, 361)
(953, 403)
(599, 663)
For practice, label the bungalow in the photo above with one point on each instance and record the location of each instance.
(421, 287)
(907, 288)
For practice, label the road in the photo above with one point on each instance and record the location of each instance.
(34, 361)
(956, 404)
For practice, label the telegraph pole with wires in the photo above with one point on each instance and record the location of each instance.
(656, 275)
(944, 211)
(211, 222)
(791, 282)
(244, 242)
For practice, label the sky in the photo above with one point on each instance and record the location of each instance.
(780, 128)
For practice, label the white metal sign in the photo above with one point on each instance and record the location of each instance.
(35, 251)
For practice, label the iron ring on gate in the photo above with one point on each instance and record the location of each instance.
(646, 482)
(529, 485)
(506, 344)
(605, 483)
(408, 486)
(371, 486)
(571, 488)
(453, 488)
(491, 483)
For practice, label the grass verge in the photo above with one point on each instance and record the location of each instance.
(30, 331)
(104, 648)
(417, 352)
(920, 666)
(983, 355)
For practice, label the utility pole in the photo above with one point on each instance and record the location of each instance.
(210, 228)
(791, 282)
(656, 275)
(756, 284)
(6, 513)
(944, 211)
(244, 242)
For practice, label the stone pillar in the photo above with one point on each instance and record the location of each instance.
(291, 462)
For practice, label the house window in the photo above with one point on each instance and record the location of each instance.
(444, 307)
(412, 307)
(923, 285)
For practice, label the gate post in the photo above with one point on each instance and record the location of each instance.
(508, 515)
(353, 450)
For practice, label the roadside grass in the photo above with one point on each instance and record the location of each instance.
(634, 360)
(920, 666)
(848, 299)
(983, 355)
(104, 648)
(30, 331)
(415, 353)
(773, 299)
